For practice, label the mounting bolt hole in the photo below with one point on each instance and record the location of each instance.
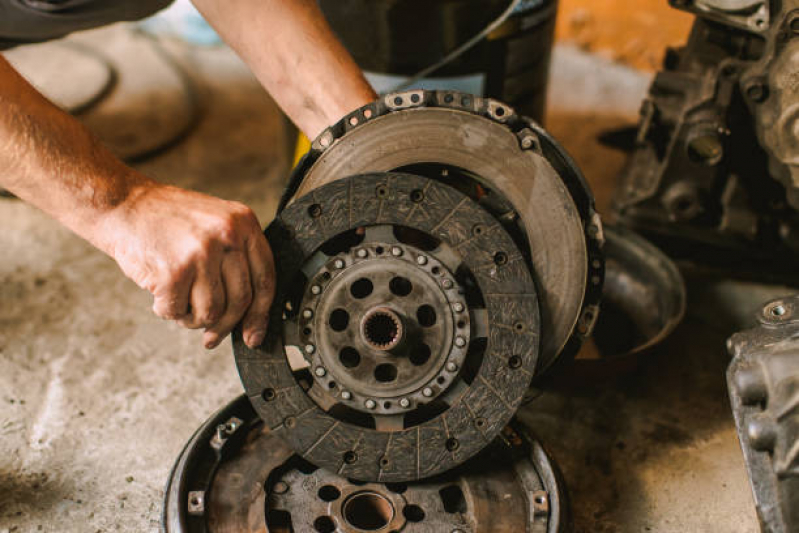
(324, 524)
(413, 513)
(417, 195)
(381, 192)
(420, 355)
(452, 444)
(426, 316)
(329, 493)
(315, 211)
(268, 394)
(400, 286)
(515, 361)
(385, 373)
(501, 258)
(349, 357)
(339, 320)
(361, 288)
(350, 457)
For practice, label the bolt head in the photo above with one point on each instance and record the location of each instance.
(310, 348)
(422, 260)
(338, 263)
(396, 251)
(346, 395)
(452, 367)
(361, 253)
(280, 488)
(458, 307)
(316, 289)
(427, 391)
(405, 403)
(447, 283)
(460, 342)
(370, 404)
(320, 371)
(307, 313)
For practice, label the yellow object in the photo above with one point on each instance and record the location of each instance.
(303, 145)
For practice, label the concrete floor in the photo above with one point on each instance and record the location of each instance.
(98, 396)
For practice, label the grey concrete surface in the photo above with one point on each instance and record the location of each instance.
(97, 396)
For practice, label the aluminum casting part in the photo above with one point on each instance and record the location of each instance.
(644, 295)
(713, 175)
(502, 152)
(256, 486)
(378, 378)
(763, 383)
(484, 396)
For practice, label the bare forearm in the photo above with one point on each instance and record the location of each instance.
(50, 160)
(294, 54)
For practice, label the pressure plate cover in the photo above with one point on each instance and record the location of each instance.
(505, 162)
(404, 333)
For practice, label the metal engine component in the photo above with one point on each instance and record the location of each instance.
(506, 163)
(249, 481)
(714, 174)
(644, 295)
(405, 329)
(763, 381)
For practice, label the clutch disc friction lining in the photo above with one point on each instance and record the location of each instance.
(404, 333)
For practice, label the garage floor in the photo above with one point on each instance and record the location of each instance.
(98, 396)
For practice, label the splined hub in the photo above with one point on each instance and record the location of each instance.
(405, 329)
(385, 325)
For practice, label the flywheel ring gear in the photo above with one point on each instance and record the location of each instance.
(496, 361)
(501, 151)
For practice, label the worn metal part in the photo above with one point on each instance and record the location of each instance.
(713, 176)
(367, 409)
(749, 15)
(763, 381)
(254, 484)
(644, 295)
(505, 162)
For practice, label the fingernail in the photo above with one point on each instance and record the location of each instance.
(211, 342)
(255, 339)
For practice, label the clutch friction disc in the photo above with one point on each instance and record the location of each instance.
(404, 333)
(517, 169)
(235, 476)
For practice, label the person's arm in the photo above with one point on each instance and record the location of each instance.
(205, 260)
(292, 51)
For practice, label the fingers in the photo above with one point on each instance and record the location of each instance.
(171, 299)
(207, 298)
(238, 297)
(262, 277)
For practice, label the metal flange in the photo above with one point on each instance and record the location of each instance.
(254, 484)
(383, 413)
(507, 163)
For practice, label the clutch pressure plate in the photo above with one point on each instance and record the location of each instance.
(405, 330)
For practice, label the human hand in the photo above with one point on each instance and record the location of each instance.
(205, 260)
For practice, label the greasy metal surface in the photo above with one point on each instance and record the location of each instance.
(254, 485)
(488, 388)
(711, 175)
(644, 295)
(748, 15)
(426, 312)
(503, 153)
(763, 381)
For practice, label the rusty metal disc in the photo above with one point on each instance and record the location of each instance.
(246, 480)
(405, 329)
(509, 164)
